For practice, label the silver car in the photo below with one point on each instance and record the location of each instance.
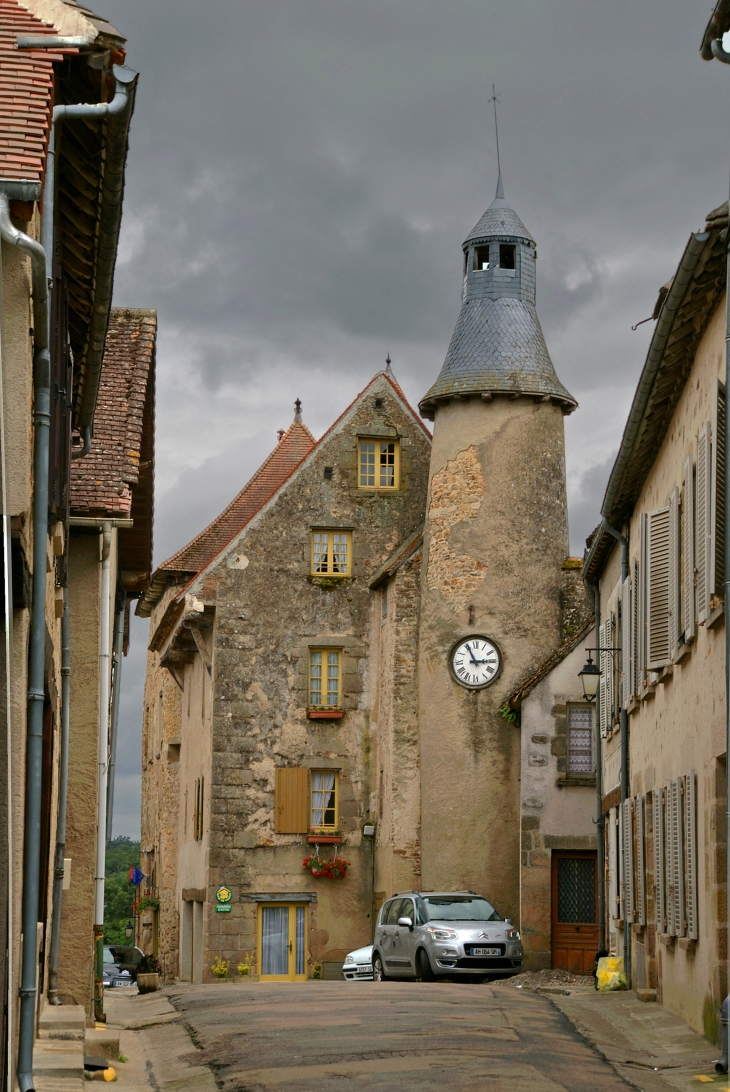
(358, 965)
(434, 934)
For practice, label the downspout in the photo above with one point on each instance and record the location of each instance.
(624, 741)
(37, 638)
(103, 764)
(718, 21)
(116, 688)
(600, 836)
(58, 864)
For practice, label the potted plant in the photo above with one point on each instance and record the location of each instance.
(148, 975)
(324, 837)
(244, 967)
(334, 869)
(219, 967)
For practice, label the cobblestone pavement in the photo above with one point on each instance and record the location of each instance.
(383, 1036)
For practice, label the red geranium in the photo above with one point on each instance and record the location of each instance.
(336, 869)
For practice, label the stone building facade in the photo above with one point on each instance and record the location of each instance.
(311, 632)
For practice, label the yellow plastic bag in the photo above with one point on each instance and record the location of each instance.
(610, 973)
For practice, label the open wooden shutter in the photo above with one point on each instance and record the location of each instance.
(717, 494)
(688, 552)
(679, 906)
(611, 670)
(657, 800)
(640, 861)
(635, 598)
(626, 657)
(657, 552)
(675, 612)
(613, 877)
(690, 836)
(291, 800)
(627, 861)
(671, 845)
(602, 687)
(702, 526)
(641, 606)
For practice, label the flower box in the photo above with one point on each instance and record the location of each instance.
(324, 839)
(325, 714)
(336, 869)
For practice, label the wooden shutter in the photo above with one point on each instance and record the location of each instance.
(610, 671)
(717, 494)
(602, 688)
(640, 861)
(612, 864)
(657, 799)
(690, 837)
(657, 599)
(626, 657)
(688, 552)
(627, 861)
(291, 800)
(679, 905)
(635, 594)
(671, 857)
(702, 525)
(641, 607)
(673, 581)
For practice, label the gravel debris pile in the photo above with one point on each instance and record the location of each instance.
(531, 980)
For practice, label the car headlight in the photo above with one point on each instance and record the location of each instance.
(512, 934)
(442, 934)
(349, 959)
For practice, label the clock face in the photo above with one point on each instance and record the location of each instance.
(475, 662)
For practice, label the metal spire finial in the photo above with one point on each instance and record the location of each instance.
(387, 365)
(298, 412)
(494, 100)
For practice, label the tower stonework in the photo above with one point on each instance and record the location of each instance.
(496, 536)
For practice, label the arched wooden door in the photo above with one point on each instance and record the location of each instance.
(574, 910)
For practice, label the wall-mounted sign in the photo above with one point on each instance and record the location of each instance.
(223, 895)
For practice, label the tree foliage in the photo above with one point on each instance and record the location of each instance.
(119, 893)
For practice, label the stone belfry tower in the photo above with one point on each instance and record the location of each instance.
(496, 536)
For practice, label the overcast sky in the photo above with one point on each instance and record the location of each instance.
(302, 174)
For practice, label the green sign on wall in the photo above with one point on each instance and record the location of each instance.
(223, 895)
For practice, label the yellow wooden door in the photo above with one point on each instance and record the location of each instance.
(282, 942)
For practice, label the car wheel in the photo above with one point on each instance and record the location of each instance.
(378, 973)
(423, 966)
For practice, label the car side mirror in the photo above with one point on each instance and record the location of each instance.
(508, 921)
(407, 923)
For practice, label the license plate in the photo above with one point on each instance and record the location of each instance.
(485, 951)
(122, 982)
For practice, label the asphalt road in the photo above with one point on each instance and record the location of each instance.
(382, 1036)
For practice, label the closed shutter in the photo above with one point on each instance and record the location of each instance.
(674, 598)
(640, 861)
(627, 862)
(690, 836)
(626, 657)
(610, 665)
(671, 856)
(657, 552)
(702, 524)
(688, 552)
(291, 800)
(612, 865)
(657, 800)
(717, 494)
(602, 661)
(641, 607)
(635, 596)
(679, 902)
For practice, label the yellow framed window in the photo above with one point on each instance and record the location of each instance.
(325, 678)
(331, 552)
(379, 464)
(282, 942)
(324, 800)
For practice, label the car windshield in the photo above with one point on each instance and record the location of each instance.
(460, 908)
(108, 955)
(122, 954)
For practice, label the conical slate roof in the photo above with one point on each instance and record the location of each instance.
(498, 346)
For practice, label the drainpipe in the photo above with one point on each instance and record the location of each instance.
(624, 741)
(58, 864)
(600, 848)
(37, 638)
(719, 54)
(103, 763)
(116, 687)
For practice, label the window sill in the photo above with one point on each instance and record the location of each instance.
(328, 580)
(667, 940)
(324, 839)
(580, 780)
(687, 944)
(325, 714)
(717, 613)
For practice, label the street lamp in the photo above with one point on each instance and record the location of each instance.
(129, 930)
(589, 676)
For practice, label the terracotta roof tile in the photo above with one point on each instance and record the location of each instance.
(26, 87)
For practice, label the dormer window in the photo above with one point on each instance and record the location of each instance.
(481, 257)
(507, 256)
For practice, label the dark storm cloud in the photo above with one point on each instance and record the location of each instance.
(302, 174)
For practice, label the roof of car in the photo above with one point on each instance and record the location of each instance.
(441, 894)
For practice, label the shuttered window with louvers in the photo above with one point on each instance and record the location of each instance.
(627, 666)
(641, 606)
(640, 861)
(627, 861)
(717, 493)
(635, 633)
(671, 854)
(675, 893)
(674, 596)
(602, 659)
(611, 660)
(657, 551)
(688, 552)
(690, 838)
(613, 878)
(679, 906)
(657, 800)
(702, 524)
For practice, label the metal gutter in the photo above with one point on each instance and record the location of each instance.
(117, 657)
(674, 298)
(103, 762)
(59, 862)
